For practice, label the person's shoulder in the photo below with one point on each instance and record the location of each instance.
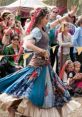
(9, 46)
(36, 33)
(78, 29)
(35, 30)
(71, 24)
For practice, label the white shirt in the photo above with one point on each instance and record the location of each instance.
(66, 43)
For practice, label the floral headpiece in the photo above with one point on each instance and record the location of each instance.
(36, 14)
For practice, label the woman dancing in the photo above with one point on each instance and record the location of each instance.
(35, 90)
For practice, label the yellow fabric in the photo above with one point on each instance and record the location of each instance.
(26, 55)
(79, 50)
(62, 28)
(53, 48)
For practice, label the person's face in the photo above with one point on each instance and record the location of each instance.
(11, 21)
(53, 14)
(66, 28)
(15, 41)
(77, 68)
(45, 20)
(70, 67)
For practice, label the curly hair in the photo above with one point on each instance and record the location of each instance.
(39, 14)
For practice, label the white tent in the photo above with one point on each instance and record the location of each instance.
(28, 4)
(24, 6)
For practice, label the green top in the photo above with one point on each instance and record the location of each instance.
(18, 18)
(51, 33)
(10, 59)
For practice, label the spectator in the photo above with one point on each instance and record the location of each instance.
(65, 41)
(12, 62)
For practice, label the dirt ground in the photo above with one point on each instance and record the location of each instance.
(77, 113)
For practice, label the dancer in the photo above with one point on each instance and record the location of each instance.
(36, 89)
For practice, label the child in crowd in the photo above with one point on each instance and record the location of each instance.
(67, 73)
(77, 79)
(72, 77)
(64, 39)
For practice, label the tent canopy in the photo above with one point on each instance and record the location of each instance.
(27, 3)
(24, 6)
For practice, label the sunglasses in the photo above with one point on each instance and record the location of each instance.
(54, 12)
(16, 39)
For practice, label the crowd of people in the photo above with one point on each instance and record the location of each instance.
(47, 79)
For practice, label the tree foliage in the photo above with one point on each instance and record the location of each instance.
(56, 2)
(6, 2)
(75, 2)
(50, 2)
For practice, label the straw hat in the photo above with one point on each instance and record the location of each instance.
(5, 13)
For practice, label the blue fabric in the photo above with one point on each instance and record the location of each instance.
(36, 33)
(9, 79)
(20, 85)
(29, 83)
(38, 89)
(77, 37)
(51, 33)
(60, 98)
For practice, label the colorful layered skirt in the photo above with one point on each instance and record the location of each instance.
(36, 92)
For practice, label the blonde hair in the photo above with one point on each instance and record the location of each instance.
(68, 62)
(11, 16)
(77, 63)
(63, 25)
